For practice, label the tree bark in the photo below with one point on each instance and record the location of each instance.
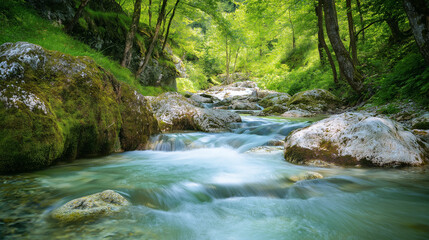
(418, 14)
(322, 42)
(236, 56)
(144, 62)
(227, 60)
(352, 32)
(397, 34)
(169, 24)
(131, 34)
(149, 11)
(362, 22)
(77, 15)
(347, 68)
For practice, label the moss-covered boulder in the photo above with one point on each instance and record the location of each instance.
(175, 112)
(317, 100)
(58, 107)
(90, 207)
(421, 122)
(138, 121)
(355, 139)
(274, 99)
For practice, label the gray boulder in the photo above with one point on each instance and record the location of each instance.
(175, 112)
(297, 114)
(355, 139)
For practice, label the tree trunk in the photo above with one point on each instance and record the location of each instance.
(418, 14)
(351, 31)
(322, 42)
(164, 22)
(169, 24)
(347, 68)
(145, 60)
(149, 11)
(77, 15)
(227, 60)
(236, 56)
(320, 34)
(131, 34)
(362, 22)
(397, 34)
(293, 31)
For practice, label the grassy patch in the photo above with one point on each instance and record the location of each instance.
(20, 23)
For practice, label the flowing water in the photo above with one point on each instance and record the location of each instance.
(196, 185)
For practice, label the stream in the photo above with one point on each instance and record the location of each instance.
(195, 185)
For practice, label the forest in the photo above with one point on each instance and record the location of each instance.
(360, 49)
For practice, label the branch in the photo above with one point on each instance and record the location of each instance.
(369, 25)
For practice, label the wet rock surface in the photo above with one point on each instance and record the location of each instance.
(175, 112)
(355, 139)
(90, 207)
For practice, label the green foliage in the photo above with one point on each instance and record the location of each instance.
(408, 79)
(185, 85)
(23, 24)
(389, 109)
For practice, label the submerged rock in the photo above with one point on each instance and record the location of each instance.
(176, 112)
(90, 207)
(265, 149)
(355, 139)
(306, 176)
(54, 106)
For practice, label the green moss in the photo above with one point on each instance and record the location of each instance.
(87, 109)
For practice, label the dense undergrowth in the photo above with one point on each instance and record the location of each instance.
(21, 23)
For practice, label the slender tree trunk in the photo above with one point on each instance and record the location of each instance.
(144, 62)
(169, 24)
(131, 34)
(418, 14)
(227, 60)
(352, 32)
(149, 12)
(320, 34)
(77, 15)
(164, 22)
(322, 42)
(362, 22)
(293, 31)
(236, 56)
(347, 68)
(393, 24)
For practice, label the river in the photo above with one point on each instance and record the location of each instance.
(195, 185)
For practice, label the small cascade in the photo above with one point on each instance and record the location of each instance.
(251, 132)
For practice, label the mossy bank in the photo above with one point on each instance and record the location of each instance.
(58, 107)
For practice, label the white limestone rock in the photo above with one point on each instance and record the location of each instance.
(355, 139)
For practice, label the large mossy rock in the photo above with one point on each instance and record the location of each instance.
(175, 112)
(355, 139)
(90, 207)
(421, 122)
(58, 107)
(317, 100)
(274, 99)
